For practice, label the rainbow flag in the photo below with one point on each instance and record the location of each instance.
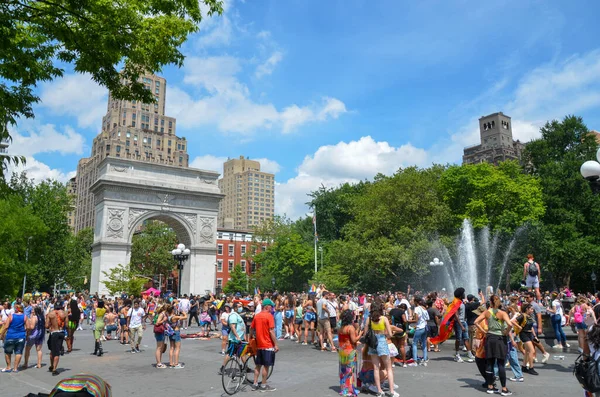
(313, 288)
(447, 324)
(256, 291)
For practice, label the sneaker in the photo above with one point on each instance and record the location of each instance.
(304, 344)
(373, 389)
(464, 348)
(137, 350)
(133, 351)
(220, 372)
(458, 359)
(505, 392)
(394, 394)
(557, 346)
(404, 365)
(525, 369)
(178, 366)
(254, 387)
(567, 345)
(533, 372)
(387, 385)
(423, 363)
(516, 379)
(535, 360)
(546, 357)
(287, 336)
(413, 364)
(471, 356)
(492, 391)
(267, 388)
(222, 352)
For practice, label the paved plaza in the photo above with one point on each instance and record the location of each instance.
(299, 371)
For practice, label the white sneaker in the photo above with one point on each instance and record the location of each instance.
(535, 360)
(471, 356)
(516, 379)
(464, 348)
(373, 389)
(557, 347)
(546, 357)
(287, 336)
(567, 345)
(458, 359)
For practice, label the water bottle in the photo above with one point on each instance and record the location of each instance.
(556, 358)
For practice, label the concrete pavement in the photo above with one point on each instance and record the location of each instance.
(299, 371)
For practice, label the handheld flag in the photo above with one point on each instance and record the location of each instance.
(447, 324)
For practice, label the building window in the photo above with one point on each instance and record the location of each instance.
(220, 235)
(118, 149)
(219, 283)
(230, 266)
(253, 267)
(243, 266)
(169, 144)
(220, 249)
(231, 250)
(219, 265)
(243, 250)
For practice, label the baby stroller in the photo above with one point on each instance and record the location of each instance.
(80, 385)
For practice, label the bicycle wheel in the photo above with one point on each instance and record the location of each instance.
(232, 377)
(248, 369)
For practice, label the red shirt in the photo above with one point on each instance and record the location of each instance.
(263, 323)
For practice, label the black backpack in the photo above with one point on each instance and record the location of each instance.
(533, 269)
(586, 372)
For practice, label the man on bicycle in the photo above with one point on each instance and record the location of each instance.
(236, 333)
(263, 328)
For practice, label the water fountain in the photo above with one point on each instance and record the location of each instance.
(478, 262)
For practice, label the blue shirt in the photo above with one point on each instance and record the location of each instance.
(235, 320)
(16, 330)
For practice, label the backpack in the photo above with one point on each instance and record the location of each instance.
(532, 269)
(578, 316)
(586, 372)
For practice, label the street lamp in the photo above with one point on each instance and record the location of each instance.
(590, 170)
(436, 262)
(321, 251)
(593, 277)
(180, 254)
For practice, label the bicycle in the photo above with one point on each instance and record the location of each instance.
(240, 369)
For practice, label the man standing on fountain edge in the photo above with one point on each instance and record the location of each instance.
(532, 275)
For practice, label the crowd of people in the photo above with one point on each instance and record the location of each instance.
(371, 333)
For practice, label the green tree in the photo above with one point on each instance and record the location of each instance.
(238, 281)
(98, 37)
(569, 248)
(287, 258)
(19, 228)
(123, 279)
(151, 249)
(79, 252)
(502, 197)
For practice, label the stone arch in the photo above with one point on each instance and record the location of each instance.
(128, 192)
(176, 222)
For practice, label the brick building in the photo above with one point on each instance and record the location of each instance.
(234, 247)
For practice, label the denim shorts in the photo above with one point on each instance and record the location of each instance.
(582, 326)
(160, 337)
(176, 337)
(382, 346)
(459, 334)
(14, 346)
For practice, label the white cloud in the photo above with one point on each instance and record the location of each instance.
(218, 34)
(267, 67)
(208, 162)
(333, 165)
(270, 166)
(76, 95)
(226, 102)
(39, 171)
(45, 139)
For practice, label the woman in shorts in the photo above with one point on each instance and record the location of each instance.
(310, 319)
(225, 327)
(525, 324)
(298, 313)
(174, 319)
(124, 333)
(36, 324)
(161, 318)
(380, 355)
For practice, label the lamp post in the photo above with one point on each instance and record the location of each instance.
(180, 254)
(590, 170)
(436, 262)
(321, 251)
(593, 277)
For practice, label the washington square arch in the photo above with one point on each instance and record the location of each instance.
(129, 192)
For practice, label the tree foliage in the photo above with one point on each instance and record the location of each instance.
(572, 234)
(123, 279)
(238, 281)
(151, 249)
(502, 197)
(97, 37)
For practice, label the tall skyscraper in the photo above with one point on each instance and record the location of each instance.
(130, 130)
(249, 194)
(72, 192)
(497, 144)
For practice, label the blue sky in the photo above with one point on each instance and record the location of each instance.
(337, 91)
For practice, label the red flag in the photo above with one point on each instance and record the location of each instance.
(447, 322)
